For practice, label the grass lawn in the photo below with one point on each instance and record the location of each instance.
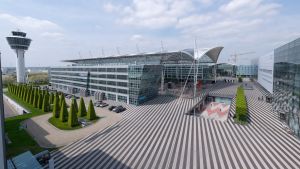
(64, 125)
(21, 140)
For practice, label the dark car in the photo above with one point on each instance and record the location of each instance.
(111, 108)
(69, 96)
(97, 103)
(103, 104)
(119, 109)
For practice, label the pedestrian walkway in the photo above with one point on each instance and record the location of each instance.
(160, 135)
(48, 136)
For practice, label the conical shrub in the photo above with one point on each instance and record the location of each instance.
(72, 117)
(91, 114)
(82, 109)
(40, 101)
(74, 102)
(63, 115)
(46, 105)
(56, 107)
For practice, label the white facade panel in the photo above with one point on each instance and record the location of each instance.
(265, 71)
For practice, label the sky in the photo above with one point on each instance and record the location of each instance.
(72, 29)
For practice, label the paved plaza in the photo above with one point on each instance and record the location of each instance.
(160, 135)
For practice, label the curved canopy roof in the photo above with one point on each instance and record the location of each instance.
(207, 55)
(212, 53)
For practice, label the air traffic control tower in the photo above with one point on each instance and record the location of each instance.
(19, 43)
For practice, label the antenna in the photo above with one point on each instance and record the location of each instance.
(162, 46)
(102, 52)
(137, 48)
(118, 50)
(79, 54)
(90, 54)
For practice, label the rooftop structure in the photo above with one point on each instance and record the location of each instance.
(19, 43)
(133, 78)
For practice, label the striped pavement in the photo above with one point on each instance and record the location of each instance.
(159, 135)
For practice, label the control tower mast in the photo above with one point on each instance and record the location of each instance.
(19, 43)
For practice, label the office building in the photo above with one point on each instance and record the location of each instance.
(134, 78)
(287, 84)
(265, 71)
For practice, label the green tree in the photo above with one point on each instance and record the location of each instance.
(46, 106)
(51, 98)
(82, 109)
(35, 100)
(56, 107)
(40, 101)
(72, 117)
(31, 96)
(91, 114)
(74, 102)
(63, 112)
(61, 97)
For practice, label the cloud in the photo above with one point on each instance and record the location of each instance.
(109, 7)
(155, 14)
(249, 8)
(28, 22)
(137, 38)
(193, 20)
(53, 35)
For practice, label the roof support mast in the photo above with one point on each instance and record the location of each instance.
(195, 71)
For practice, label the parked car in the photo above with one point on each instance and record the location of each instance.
(83, 122)
(98, 102)
(68, 96)
(119, 109)
(103, 104)
(111, 108)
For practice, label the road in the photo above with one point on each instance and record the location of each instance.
(8, 110)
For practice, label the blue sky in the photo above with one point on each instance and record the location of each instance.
(63, 29)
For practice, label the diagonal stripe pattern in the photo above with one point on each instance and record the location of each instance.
(159, 135)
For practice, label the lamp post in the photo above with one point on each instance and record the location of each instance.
(3, 163)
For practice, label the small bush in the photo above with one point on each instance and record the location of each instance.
(91, 114)
(63, 112)
(82, 109)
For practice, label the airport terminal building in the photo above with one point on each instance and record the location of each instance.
(134, 78)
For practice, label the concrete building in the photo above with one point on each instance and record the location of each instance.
(287, 84)
(265, 71)
(19, 43)
(134, 78)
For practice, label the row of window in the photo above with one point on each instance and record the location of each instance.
(91, 69)
(109, 76)
(109, 89)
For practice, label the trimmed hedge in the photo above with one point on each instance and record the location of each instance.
(91, 114)
(82, 109)
(72, 117)
(63, 111)
(241, 106)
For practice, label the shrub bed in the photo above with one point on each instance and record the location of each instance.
(241, 112)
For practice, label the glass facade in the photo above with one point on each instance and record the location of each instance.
(287, 84)
(177, 72)
(247, 70)
(133, 79)
(226, 70)
(143, 82)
